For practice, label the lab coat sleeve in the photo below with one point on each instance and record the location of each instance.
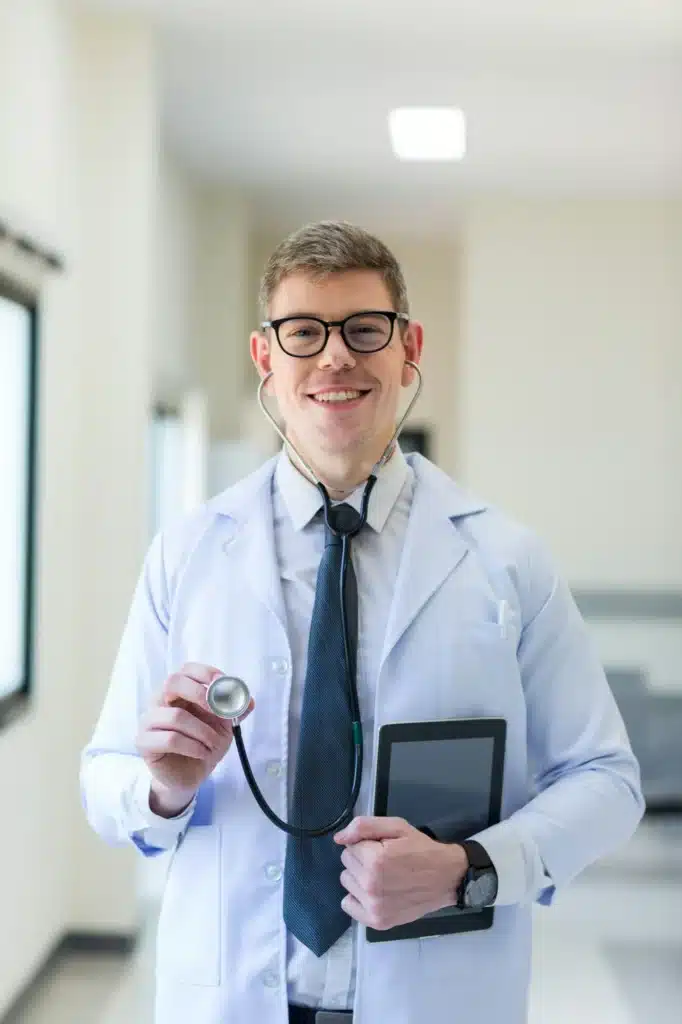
(115, 781)
(588, 799)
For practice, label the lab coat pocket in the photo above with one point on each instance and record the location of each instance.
(483, 676)
(188, 945)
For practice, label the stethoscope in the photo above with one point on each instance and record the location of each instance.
(229, 697)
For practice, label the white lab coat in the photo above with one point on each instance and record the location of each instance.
(210, 592)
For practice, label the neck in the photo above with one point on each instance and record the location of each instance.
(341, 474)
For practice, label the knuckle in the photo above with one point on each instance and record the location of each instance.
(171, 688)
(375, 907)
(373, 887)
(171, 719)
(376, 859)
(378, 916)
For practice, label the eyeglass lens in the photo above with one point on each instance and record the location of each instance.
(365, 332)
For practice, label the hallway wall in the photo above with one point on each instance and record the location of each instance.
(78, 156)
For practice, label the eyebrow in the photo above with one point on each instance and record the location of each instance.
(318, 316)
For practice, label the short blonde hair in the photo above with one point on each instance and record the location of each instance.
(332, 247)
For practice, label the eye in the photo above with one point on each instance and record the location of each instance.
(300, 329)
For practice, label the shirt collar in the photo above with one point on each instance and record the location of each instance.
(303, 500)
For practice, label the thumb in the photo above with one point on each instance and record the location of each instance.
(363, 827)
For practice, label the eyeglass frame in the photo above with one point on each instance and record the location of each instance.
(390, 315)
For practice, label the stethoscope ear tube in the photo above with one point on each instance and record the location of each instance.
(389, 447)
(229, 697)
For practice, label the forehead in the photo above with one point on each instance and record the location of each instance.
(333, 296)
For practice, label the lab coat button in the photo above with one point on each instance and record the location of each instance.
(274, 768)
(273, 872)
(270, 979)
(280, 666)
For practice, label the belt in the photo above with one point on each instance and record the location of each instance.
(306, 1015)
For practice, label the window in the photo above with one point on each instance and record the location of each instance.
(167, 467)
(18, 365)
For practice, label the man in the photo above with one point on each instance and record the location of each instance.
(247, 931)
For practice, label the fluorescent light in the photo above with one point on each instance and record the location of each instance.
(428, 133)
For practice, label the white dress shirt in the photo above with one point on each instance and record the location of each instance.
(329, 981)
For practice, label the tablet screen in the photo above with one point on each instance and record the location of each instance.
(446, 778)
(443, 785)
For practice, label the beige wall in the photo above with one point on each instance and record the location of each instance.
(174, 367)
(569, 411)
(85, 182)
(220, 340)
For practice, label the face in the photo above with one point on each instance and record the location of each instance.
(359, 426)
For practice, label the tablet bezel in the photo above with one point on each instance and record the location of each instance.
(447, 729)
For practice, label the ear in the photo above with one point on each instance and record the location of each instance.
(413, 342)
(260, 353)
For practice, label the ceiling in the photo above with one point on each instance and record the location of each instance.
(289, 99)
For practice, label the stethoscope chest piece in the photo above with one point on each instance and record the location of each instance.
(228, 697)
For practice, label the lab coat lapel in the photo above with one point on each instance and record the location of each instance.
(250, 547)
(433, 546)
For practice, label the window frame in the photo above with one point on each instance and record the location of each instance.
(17, 703)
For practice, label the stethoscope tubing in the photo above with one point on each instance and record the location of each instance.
(299, 832)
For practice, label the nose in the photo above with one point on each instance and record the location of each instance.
(336, 355)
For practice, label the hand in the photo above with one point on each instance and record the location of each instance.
(181, 739)
(394, 873)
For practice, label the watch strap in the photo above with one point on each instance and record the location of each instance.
(477, 855)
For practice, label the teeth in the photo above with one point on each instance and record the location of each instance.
(337, 396)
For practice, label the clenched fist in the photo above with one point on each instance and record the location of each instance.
(181, 739)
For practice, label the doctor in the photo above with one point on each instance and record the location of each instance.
(248, 931)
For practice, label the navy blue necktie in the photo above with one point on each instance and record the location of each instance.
(324, 765)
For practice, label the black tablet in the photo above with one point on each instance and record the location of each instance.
(444, 777)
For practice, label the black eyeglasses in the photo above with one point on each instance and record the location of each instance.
(303, 336)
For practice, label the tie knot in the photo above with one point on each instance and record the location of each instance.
(344, 519)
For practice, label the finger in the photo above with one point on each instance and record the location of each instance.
(246, 714)
(355, 909)
(352, 884)
(201, 673)
(183, 687)
(364, 827)
(184, 722)
(184, 691)
(158, 742)
(353, 859)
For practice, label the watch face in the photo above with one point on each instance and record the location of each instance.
(481, 891)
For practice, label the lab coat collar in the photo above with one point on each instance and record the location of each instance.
(303, 500)
(448, 500)
(433, 547)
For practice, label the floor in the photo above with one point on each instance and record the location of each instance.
(608, 952)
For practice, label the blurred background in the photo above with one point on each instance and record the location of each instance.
(152, 153)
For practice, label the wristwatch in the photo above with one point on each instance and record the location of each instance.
(478, 888)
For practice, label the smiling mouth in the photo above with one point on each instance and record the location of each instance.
(344, 396)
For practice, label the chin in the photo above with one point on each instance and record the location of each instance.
(345, 442)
